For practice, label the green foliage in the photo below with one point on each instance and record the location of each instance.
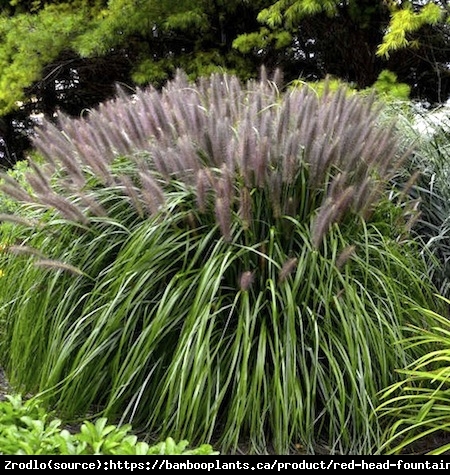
(256, 41)
(31, 42)
(38, 40)
(28, 429)
(291, 12)
(186, 20)
(405, 21)
(388, 87)
(324, 86)
(126, 18)
(17, 173)
(429, 131)
(419, 404)
(217, 260)
(153, 72)
(157, 26)
(280, 21)
(333, 31)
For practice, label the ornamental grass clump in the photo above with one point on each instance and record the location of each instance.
(216, 262)
(432, 158)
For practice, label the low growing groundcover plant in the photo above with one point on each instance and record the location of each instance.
(216, 261)
(26, 428)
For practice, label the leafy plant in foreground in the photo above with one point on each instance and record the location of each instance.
(28, 429)
(419, 404)
(216, 262)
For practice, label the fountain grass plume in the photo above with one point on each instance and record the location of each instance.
(216, 261)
